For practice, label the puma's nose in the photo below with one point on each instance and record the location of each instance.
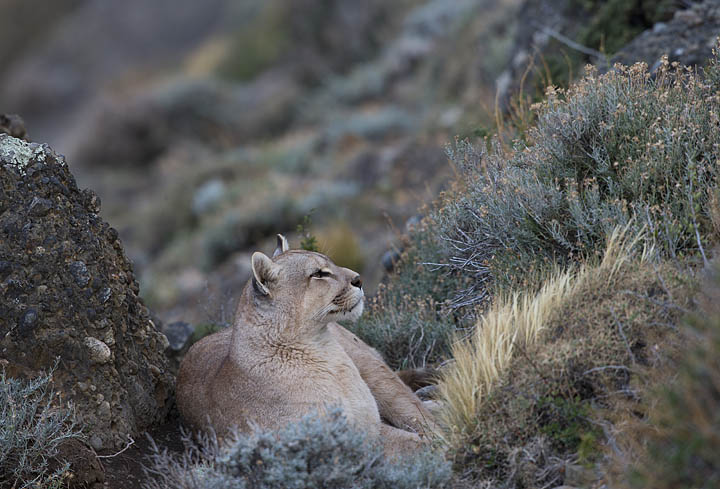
(356, 282)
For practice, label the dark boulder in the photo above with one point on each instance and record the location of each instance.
(688, 38)
(67, 291)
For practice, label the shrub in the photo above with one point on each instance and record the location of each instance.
(31, 432)
(619, 148)
(408, 320)
(316, 452)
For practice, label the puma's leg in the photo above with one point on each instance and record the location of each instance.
(397, 404)
(397, 442)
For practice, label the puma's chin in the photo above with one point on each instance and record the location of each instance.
(353, 313)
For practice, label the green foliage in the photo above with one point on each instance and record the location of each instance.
(317, 452)
(308, 241)
(615, 23)
(256, 45)
(203, 330)
(566, 421)
(408, 320)
(682, 433)
(31, 432)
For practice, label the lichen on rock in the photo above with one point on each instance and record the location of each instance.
(18, 154)
(67, 291)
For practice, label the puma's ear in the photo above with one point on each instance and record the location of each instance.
(282, 245)
(264, 272)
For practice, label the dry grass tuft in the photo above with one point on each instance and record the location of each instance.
(513, 323)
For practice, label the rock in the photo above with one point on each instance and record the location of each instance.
(688, 38)
(545, 28)
(96, 442)
(412, 223)
(67, 290)
(5, 269)
(13, 125)
(40, 207)
(28, 321)
(178, 334)
(80, 273)
(427, 393)
(98, 351)
(389, 258)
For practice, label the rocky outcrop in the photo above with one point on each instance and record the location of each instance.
(688, 38)
(555, 39)
(68, 296)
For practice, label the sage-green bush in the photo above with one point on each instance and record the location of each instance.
(31, 432)
(623, 148)
(318, 452)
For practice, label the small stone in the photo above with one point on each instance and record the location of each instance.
(96, 442)
(178, 334)
(388, 260)
(412, 223)
(427, 393)
(109, 337)
(98, 351)
(104, 410)
(164, 342)
(105, 295)
(28, 321)
(80, 273)
(40, 207)
(91, 201)
(5, 269)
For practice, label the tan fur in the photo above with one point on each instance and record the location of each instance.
(285, 357)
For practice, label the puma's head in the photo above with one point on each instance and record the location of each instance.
(306, 286)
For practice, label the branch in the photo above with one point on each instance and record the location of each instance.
(130, 443)
(572, 44)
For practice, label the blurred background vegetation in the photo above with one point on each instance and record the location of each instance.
(539, 230)
(207, 127)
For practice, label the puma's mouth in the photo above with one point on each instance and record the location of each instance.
(352, 312)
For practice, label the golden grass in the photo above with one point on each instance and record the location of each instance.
(510, 325)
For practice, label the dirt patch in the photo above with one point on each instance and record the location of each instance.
(125, 470)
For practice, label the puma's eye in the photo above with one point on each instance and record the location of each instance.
(321, 273)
